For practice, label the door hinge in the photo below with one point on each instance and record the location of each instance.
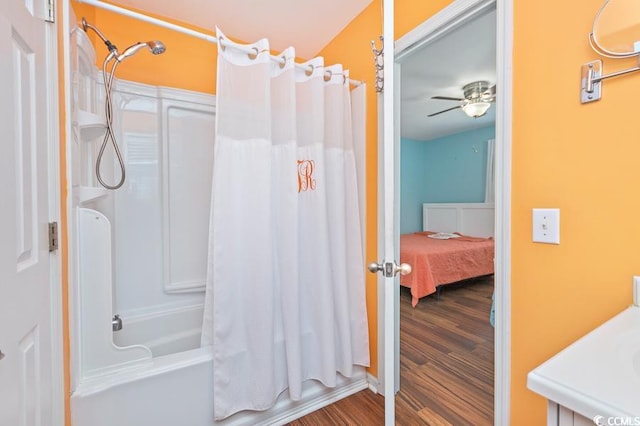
(53, 236)
(51, 11)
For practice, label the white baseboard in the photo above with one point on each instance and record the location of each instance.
(325, 398)
(373, 383)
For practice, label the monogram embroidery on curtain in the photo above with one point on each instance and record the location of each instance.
(306, 182)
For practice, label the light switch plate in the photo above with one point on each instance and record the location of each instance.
(546, 226)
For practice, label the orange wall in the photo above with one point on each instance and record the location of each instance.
(582, 159)
(411, 13)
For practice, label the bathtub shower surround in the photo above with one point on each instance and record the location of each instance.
(142, 252)
(139, 251)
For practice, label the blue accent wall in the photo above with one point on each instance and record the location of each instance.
(450, 169)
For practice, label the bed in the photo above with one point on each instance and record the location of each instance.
(438, 262)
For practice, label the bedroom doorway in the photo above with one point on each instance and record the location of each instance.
(449, 24)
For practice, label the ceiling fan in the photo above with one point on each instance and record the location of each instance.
(478, 97)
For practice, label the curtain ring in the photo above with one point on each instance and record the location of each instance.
(284, 61)
(328, 77)
(309, 71)
(253, 56)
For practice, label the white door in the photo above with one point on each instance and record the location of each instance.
(390, 252)
(26, 129)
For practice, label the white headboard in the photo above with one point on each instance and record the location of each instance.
(474, 219)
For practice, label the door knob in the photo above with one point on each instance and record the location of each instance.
(375, 267)
(404, 269)
(390, 269)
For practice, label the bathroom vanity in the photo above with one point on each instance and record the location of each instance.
(557, 415)
(595, 380)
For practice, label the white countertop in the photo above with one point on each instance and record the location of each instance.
(598, 375)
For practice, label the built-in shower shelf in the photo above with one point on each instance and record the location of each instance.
(91, 125)
(85, 194)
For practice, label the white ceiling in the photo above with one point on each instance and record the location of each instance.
(466, 54)
(308, 25)
(441, 68)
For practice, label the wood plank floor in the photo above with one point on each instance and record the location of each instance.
(446, 364)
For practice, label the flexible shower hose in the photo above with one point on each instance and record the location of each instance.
(110, 134)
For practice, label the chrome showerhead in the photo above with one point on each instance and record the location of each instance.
(87, 26)
(156, 47)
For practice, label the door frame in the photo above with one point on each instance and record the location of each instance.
(448, 18)
(58, 364)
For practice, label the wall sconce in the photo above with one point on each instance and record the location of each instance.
(591, 76)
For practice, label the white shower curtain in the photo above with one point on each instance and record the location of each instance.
(285, 296)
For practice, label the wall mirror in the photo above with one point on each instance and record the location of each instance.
(616, 29)
(615, 34)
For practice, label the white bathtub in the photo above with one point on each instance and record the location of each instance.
(176, 389)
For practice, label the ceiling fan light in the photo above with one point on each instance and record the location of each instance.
(476, 109)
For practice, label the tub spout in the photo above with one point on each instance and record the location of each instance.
(116, 323)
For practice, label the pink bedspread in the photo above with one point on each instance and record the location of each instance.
(437, 262)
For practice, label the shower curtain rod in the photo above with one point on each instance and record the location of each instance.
(197, 34)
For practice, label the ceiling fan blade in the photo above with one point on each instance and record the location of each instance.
(447, 98)
(444, 110)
